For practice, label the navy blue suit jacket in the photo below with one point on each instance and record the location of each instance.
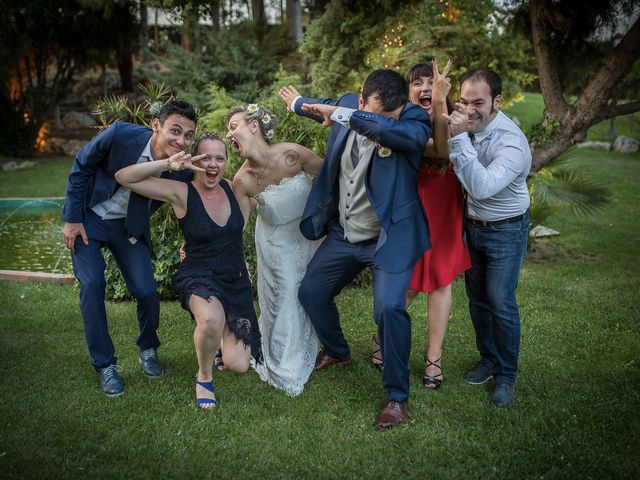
(92, 180)
(391, 181)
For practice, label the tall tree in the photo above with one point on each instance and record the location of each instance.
(559, 25)
(214, 13)
(144, 31)
(294, 21)
(118, 31)
(257, 12)
(352, 38)
(42, 45)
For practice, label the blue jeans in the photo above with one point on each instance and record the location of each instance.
(497, 253)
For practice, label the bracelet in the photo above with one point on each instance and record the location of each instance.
(169, 164)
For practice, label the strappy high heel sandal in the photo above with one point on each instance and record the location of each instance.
(432, 381)
(218, 364)
(376, 355)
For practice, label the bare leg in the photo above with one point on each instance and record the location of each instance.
(235, 355)
(438, 313)
(411, 295)
(210, 322)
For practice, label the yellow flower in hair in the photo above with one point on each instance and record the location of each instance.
(266, 118)
(252, 107)
(383, 151)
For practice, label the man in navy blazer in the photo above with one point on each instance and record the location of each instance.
(99, 213)
(365, 201)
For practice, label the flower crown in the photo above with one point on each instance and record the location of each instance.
(264, 117)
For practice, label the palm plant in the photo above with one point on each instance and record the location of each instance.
(563, 186)
(119, 107)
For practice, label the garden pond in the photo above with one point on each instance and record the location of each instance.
(31, 235)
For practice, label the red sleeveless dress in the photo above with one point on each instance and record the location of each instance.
(443, 203)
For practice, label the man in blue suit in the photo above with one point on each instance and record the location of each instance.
(365, 201)
(99, 213)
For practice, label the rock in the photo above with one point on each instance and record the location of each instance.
(75, 119)
(71, 147)
(19, 165)
(63, 146)
(53, 145)
(624, 144)
(10, 166)
(541, 231)
(601, 145)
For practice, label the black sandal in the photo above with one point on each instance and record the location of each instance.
(432, 381)
(376, 358)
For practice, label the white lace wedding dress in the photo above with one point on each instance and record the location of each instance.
(289, 342)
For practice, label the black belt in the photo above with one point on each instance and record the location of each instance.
(488, 223)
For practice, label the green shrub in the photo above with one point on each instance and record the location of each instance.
(239, 59)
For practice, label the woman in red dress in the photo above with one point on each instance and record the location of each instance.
(443, 202)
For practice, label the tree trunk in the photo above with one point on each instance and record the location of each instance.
(144, 32)
(259, 18)
(156, 33)
(124, 59)
(257, 12)
(214, 8)
(593, 105)
(317, 7)
(294, 21)
(186, 27)
(554, 101)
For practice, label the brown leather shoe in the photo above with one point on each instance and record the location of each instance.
(394, 413)
(324, 361)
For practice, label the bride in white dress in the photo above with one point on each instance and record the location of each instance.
(275, 179)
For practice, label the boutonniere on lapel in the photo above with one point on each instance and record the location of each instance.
(383, 151)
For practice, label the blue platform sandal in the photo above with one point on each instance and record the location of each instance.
(200, 402)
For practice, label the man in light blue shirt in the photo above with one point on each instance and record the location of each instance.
(492, 159)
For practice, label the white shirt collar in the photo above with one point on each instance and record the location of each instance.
(146, 152)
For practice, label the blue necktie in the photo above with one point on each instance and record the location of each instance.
(137, 221)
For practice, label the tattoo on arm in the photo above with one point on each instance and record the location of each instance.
(291, 157)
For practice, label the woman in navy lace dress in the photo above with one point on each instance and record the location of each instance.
(212, 281)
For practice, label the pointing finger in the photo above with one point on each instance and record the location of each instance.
(460, 107)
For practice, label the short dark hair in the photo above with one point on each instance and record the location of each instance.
(213, 136)
(419, 70)
(388, 87)
(178, 107)
(490, 77)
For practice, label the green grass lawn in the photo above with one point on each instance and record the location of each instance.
(529, 111)
(47, 179)
(577, 404)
